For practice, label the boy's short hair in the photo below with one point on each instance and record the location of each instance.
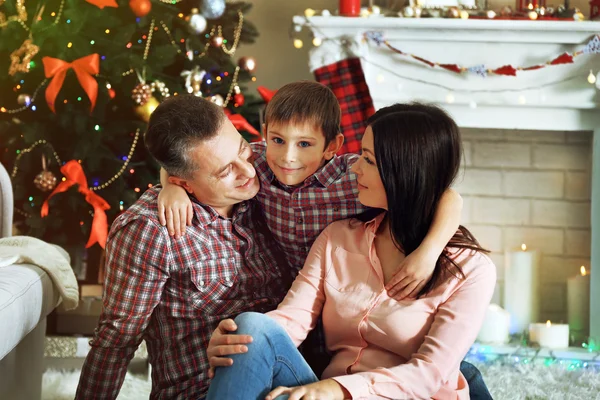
(306, 102)
(177, 125)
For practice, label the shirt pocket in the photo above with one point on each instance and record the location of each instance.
(215, 277)
(349, 272)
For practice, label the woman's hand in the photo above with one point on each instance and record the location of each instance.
(221, 344)
(322, 390)
(413, 273)
(174, 209)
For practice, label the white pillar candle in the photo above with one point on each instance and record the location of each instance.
(578, 303)
(495, 326)
(521, 288)
(549, 335)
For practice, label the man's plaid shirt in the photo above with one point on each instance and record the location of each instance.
(173, 293)
(297, 215)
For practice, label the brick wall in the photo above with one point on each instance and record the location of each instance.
(530, 187)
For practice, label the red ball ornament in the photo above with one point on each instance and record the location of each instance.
(140, 8)
(239, 99)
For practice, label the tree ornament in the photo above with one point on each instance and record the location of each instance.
(247, 64)
(20, 58)
(140, 8)
(217, 99)
(239, 99)
(193, 80)
(24, 99)
(216, 41)
(212, 9)
(197, 23)
(145, 110)
(45, 180)
(141, 93)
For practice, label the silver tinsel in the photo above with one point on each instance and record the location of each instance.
(212, 9)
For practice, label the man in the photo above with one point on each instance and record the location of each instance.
(173, 292)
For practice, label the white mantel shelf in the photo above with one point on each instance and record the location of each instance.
(556, 98)
(447, 29)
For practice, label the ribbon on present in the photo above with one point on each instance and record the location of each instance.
(75, 176)
(84, 67)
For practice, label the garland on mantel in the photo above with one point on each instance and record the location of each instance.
(593, 47)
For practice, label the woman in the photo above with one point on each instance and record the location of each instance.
(382, 348)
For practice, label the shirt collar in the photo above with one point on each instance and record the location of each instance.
(206, 215)
(326, 175)
(372, 225)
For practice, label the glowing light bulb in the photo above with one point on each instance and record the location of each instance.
(298, 43)
(591, 77)
(523, 247)
(317, 42)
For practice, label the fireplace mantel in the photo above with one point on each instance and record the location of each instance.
(556, 98)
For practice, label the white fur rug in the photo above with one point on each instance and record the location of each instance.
(506, 382)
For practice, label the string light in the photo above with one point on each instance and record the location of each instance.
(317, 42)
(298, 43)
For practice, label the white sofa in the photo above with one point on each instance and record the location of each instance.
(27, 296)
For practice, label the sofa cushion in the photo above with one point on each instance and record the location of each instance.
(27, 296)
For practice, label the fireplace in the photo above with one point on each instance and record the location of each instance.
(532, 142)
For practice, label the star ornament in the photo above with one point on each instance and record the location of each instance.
(20, 58)
(103, 3)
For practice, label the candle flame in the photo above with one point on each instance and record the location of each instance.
(548, 323)
(530, 6)
(523, 247)
(583, 271)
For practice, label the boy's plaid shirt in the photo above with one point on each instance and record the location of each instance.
(297, 215)
(173, 293)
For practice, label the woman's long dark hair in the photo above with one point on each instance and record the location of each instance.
(418, 151)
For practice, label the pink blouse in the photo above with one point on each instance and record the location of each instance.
(382, 348)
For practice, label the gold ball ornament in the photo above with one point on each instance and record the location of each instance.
(24, 99)
(144, 111)
(532, 15)
(45, 181)
(216, 41)
(247, 64)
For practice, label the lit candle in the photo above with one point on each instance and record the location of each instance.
(549, 335)
(521, 289)
(495, 326)
(578, 303)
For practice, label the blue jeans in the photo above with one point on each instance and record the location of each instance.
(272, 360)
(477, 388)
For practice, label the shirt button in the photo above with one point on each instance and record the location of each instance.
(227, 279)
(336, 208)
(300, 220)
(201, 283)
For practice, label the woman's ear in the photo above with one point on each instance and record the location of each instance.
(334, 146)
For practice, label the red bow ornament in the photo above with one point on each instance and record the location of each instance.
(84, 67)
(75, 176)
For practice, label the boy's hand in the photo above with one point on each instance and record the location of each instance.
(221, 344)
(413, 273)
(174, 209)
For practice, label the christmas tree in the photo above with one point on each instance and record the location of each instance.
(78, 81)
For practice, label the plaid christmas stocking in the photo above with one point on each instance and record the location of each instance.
(347, 81)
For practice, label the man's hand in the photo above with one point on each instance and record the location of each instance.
(221, 344)
(174, 210)
(322, 390)
(413, 273)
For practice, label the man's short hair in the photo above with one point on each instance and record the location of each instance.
(178, 125)
(306, 102)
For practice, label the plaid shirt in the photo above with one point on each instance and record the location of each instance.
(297, 215)
(172, 293)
